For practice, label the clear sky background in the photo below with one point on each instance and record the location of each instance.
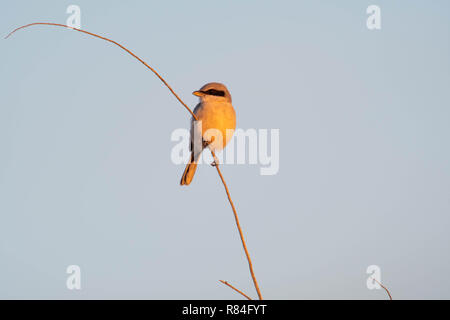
(86, 176)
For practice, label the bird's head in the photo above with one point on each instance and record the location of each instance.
(213, 90)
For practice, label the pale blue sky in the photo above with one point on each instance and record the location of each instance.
(86, 176)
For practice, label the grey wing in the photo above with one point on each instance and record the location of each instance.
(197, 107)
(191, 146)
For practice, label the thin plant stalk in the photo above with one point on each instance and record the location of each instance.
(193, 115)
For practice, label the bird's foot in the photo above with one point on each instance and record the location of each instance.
(215, 163)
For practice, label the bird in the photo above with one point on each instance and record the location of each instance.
(216, 119)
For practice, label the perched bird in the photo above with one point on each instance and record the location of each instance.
(215, 125)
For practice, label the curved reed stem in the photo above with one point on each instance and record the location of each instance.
(385, 289)
(114, 42)
(238, 225)
(237, 290)
(193, 115)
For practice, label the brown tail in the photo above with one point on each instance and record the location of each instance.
(189, 172)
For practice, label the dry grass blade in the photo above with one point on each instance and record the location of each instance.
(237, 290)
(386, 289)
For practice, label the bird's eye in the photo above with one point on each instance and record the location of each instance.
(214, 92)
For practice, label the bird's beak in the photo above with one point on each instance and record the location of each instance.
(198, 93)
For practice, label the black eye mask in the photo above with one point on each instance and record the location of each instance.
(214, 92)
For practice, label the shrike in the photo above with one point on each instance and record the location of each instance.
(215, 125)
